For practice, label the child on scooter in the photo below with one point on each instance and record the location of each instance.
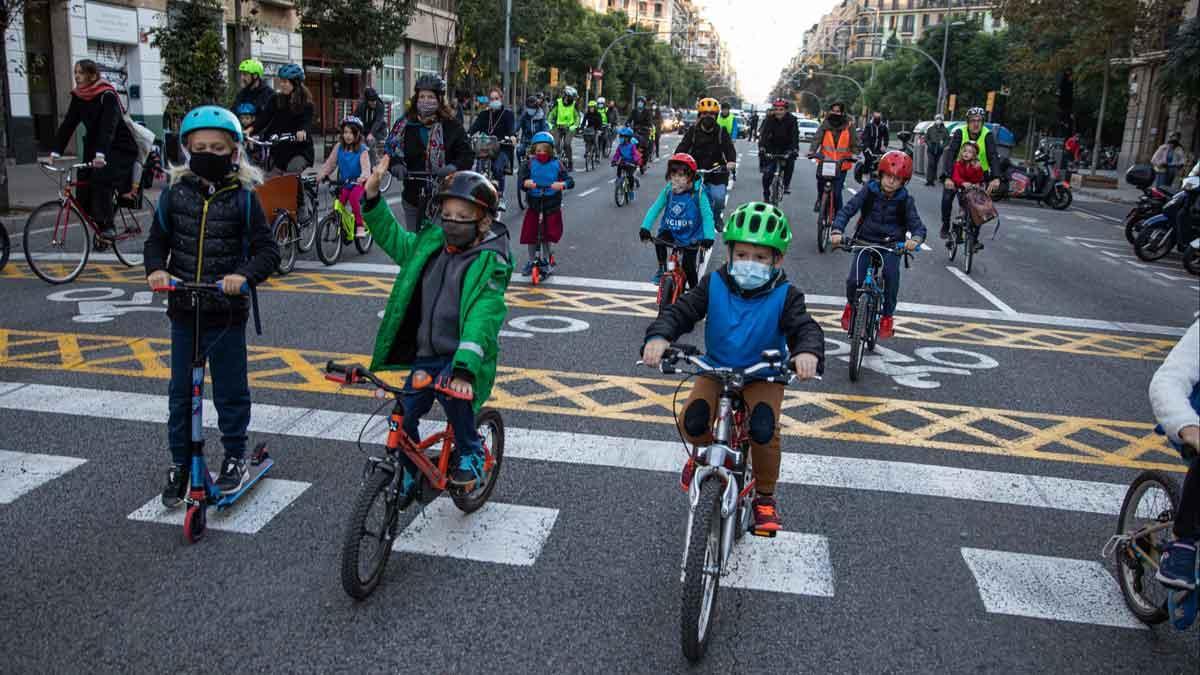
(210, 200)
(686, 216)
(353, 164)
(444, 314)
(543, 178)
(888, 216)
(748, 306)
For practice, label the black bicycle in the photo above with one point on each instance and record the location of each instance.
(868, 301)
(827, 173)
(775, 192)
(623, 186)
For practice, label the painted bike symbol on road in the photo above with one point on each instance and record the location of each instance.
(99, 304)
(527, 326)
(940, 360)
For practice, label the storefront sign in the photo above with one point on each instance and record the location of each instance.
(275, 45)
(106, 23)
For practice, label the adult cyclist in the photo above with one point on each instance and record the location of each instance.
(532, 121)
(607, 128)
(974, 131)
(835, 141)
(711, 147)
(641, 120)
(564, 119)
(373, 113)
(254, 92)
(780, 136)
(290, 111)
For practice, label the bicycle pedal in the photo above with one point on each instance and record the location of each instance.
(766, 534)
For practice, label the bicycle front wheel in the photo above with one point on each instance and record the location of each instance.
(307, 218)
(952, 243)
(619, 192)
(1145, 518)
(287, 238)
(370, 533)
(329, 238)
(824, 226)
(859, 334)
(490, 427)
(57, 242)
(701, 571)
(969, 249)
(364, 243)
(666, 291)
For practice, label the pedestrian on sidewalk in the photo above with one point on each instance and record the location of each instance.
(1167, 160)
(935, 143)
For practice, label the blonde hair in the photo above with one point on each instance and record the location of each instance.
(248, 175)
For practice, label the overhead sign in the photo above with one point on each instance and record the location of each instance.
(106, 23)
(950, 103)
(553, 77)
(275, 44)
(991, 101)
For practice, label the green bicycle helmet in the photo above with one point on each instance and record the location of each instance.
(759, 223)
(251, 67)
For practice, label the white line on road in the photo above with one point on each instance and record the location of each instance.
(588, 191)
(1099, 215)
(846, 473)
(978, 288)
(21, 472)
(268, 498)
(1041, 587)
(509, 534)
(792, 562)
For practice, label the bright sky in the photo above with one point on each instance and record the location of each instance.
(763, 35)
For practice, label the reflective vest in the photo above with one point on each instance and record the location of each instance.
(726, 122)
(603, 115)
(565, 115)
(981, 142)
(838, 152)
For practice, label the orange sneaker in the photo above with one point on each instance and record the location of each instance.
(685, 477)
(847, 311)
(766, 517)
(886, 328)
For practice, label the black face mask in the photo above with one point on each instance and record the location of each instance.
(211, 167)
(833, 118)
(707, 123)
(459, 233)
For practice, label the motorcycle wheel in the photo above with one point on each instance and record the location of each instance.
(1061, 198)
(1191, 260)
(1133, 226)
(1155, 242)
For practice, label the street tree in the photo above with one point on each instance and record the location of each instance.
(193, 56)
(355, 33)
(1180, 74)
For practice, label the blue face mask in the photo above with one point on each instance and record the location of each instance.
(750, 274)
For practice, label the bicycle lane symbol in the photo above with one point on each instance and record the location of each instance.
(100, 304)
(940, 360)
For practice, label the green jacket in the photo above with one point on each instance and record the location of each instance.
(481, 314)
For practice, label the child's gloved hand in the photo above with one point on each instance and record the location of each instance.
(805, 366)
(652, 352)
(644, 235)
(911, 245)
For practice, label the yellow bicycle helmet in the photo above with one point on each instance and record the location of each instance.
(708, 105)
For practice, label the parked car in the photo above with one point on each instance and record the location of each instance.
(688, 120)
(808, 129)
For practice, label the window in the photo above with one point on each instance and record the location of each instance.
(895, 4)
(390, 80)
(642, 8)
(910, 4)
(658, 10)
(859, 48)
(909, 23)
(426, 64)
(924, 20)
(892, 23)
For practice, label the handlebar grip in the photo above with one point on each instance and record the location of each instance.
(685, 348)
(331, 367)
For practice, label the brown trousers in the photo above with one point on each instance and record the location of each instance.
(766, 456)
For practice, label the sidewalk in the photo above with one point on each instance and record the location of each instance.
(1122, 194)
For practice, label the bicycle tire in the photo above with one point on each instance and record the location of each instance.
(364, 243)
(696, 615)
(329, 238)
(45, 215)
(969, 249)
(824, 226)
(858, 336)
(306, 218)
(374, 490)
(129, 231)
(285, 229)
(5, 246)
(1135, 579)
(472, 501)
(619, 193)
(952, 243)
(385, 183)
(666, 288)
(1155, 242)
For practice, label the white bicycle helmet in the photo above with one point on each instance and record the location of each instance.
(600, 101)
(570, 91)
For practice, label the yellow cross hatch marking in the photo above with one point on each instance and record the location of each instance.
(833, 416)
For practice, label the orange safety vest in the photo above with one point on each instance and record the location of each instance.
(840, 152)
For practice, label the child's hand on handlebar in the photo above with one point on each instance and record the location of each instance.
(805, 366)
(529, 184)
(652, 352)
(232, 284)
(158, 279)
(558, 186)
(911, 245)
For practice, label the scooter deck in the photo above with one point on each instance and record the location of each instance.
(256, 472)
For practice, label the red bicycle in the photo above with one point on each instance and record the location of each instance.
(673, 282)
(382, 507)
(56, 239)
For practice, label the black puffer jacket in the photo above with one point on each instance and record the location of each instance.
(709, 149)
(199, 248)
(779, 136)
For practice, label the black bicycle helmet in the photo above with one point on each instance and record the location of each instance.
(471, 186)
(432, 83)
(370, 94)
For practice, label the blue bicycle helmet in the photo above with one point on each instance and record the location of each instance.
(246, 108)
(542, 137)
(211, 117)
(626, 132)
(291, 71)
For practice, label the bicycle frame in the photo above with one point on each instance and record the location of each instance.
(66, 196)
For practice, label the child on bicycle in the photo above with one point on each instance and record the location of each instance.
(967, 173)
(748, 306)
(210, 203)
(627, 156)
(1175, 397)
(446, 308)
(543, 177)
(686, 216)
(353, 163)
(887, 215)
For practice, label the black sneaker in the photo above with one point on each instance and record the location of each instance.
(787, 190)
(945, 232)
(233, 475)
(176, 488)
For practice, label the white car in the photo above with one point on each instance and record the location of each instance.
(808, 129)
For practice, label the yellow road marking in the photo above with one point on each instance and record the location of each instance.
(839, 417)
(1081, 343)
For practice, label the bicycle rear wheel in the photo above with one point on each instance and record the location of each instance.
(701, 571)
(329, 238)
(490, 427)
(968, 248)
(286, 237)
(1152, 499)
(57, 242)
(127, 237)
(858, 336)
(371, 532)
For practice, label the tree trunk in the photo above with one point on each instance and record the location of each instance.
(1029, 136)
(1100, 118)
(4, 121)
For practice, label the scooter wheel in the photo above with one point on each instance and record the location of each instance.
(194, 523)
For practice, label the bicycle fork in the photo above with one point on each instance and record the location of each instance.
(711, 463)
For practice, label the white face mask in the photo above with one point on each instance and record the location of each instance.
(750, 274)
(680, 183)
(495, 104)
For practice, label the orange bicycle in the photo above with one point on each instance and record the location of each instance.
(673, 282)
(56, 239)
(382, 507)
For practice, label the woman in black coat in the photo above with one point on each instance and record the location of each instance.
(290, 111)
(108, 144)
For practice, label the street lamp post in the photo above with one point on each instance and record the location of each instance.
(861, 92)
(627, 34)
(941, 69)
(942, 90)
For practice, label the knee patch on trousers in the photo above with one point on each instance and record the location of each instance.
(695, 418)
(762, 424)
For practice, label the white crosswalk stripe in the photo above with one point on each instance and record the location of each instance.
(248, 515)
(22, 472)
(509, 534)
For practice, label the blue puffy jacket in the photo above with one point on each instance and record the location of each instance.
(883, 225)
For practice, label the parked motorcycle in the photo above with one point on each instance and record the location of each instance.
(906, 144)
(1150, 204)
(1172, 229)
(1040, 182)
(864, 169)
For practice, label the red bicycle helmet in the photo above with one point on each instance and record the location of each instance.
(897, 164)
(779, 103)
(684, 159)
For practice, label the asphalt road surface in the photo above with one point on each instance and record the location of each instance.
(946, 513)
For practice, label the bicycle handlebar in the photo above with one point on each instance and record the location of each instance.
(773, 360)
(674, 244)
(214, 288)
(899, 249)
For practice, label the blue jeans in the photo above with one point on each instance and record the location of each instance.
(891, 278)
(459, 413)
(839, 188)
(499, 166)
(226, 354)
(716, 198)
